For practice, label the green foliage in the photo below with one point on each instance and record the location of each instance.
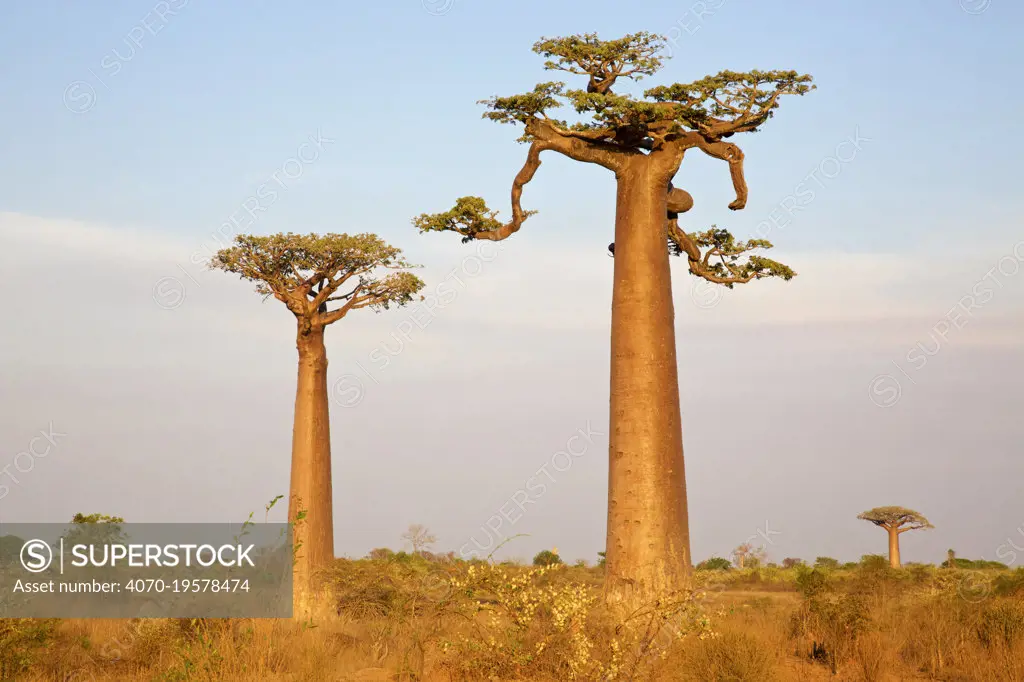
(296, 269)
(812, 582)
(10, 548)
(875, 562)
(521, 108)
(976, 564)
(826, 562)
(469, 217)
(715, 106)
(601, 559)
(715, 563)
(895, 517)
(97, 529)
(792, 562)
(546, 558)
(21, 642)
(1009, 584)
(588, 55)
(725, 251)
(613, 125)
(96, 518)
(731, 96)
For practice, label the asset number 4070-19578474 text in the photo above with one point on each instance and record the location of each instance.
(193, 585)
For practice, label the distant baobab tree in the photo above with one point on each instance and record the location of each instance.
(419, 537)
(642, 141)
(320, 278)
(895, 521)
(748, 555)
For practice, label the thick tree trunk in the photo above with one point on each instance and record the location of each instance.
(894, 547)
(648, 544)
(311, 468)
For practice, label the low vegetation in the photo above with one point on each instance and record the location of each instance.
(425, 616)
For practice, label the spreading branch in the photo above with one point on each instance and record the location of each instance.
(305, 272)
(731, 102)
(473, 220)
(720, 261)
(603, 61)
(611, 129)
(899, 519)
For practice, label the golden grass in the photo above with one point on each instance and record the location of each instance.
(415, 620)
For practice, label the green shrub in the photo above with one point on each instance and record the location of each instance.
(20, 641)
(919, 573)
(546, 558)
(874, 562)
(826, 562)
(715, 563)
(10, 548)
(1009, 584)
(812, 582)
(979, 564)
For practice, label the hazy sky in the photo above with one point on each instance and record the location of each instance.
(887, 372)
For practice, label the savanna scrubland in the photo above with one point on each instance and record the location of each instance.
(405, 616)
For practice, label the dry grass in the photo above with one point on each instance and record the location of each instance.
(414, 620)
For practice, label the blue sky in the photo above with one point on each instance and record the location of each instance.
(224, 92)
(183, 127)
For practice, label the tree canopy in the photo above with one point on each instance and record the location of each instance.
(899, 519)
(307, 272)
(610, 128)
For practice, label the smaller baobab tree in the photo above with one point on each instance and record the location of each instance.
(749, 556)
(895, 521)
(320, 278)
(420, 537)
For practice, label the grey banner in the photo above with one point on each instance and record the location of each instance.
(145, 570)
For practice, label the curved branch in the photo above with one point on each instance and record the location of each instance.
(915, 526)
(519, 216)
(473, 220)
(699, 265)
(728, 271)
(726, 151)
(577, 146)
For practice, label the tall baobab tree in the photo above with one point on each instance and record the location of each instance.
(642, 141)
(895, 521)
(320, 278)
